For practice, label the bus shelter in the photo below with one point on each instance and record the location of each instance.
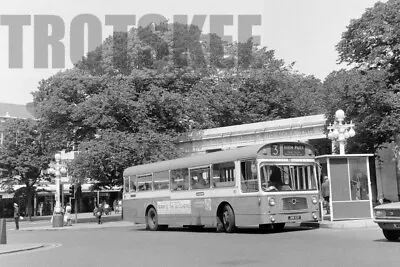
(350, 186)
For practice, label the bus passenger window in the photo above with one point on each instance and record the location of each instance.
(126, 184)
(161, 180)
(224, 174)
(179, 179)
(200, 178)
(248, 173)
(132, 183)
(145, 182)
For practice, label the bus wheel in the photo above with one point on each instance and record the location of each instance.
(278, 227)
(391, 235)
(152, 220)
(228, 219)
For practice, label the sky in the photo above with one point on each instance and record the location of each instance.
(301, 31)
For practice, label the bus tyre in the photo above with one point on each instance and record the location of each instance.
(152, 220)
(391, 235)
(228, 219)
(220, 226)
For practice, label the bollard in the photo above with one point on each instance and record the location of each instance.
(3, 235)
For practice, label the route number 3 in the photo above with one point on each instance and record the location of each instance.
(275, 151)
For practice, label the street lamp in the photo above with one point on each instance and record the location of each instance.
(59, 169)
(339, 131)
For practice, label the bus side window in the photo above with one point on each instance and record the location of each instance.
(161, 180)
(248, 173)
(224, 174)
(126, 184)
(179, 179)
(200, 178)
(132, 183)
(145, 182)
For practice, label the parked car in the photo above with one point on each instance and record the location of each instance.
(387, 216)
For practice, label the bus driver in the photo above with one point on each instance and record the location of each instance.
(275, 180)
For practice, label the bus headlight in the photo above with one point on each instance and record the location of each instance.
(314, 200)
(271, 201)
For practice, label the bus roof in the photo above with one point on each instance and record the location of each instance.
(246, 152)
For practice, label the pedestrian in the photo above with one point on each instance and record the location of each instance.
(106, 208)
(115, 206)
(325, 192)
(120, 206)
(41, 208)
(16, 216)
(99, 212)
(67, 215)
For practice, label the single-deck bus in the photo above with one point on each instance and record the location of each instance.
(264, 185)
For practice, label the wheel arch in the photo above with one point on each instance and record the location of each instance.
(221, 206)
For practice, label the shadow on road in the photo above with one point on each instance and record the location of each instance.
(383, 240)
(242, 230)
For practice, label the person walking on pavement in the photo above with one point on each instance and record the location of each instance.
(325, 192)
(115, 203)
(99, 212)
(16, 216)
(67, 215)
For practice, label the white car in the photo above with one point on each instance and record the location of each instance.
(387, 216)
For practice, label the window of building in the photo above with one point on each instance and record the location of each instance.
(179, 179)
(248, 179)
(161, 180)
(200, 178)
(145, 182)
(224, 174)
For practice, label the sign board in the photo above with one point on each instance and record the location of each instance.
(65, 180)
(174, 207)
(294, 150)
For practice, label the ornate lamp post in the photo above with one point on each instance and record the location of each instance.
(59, 169)
(339, 131)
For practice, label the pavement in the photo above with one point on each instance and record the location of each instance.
(343, 224)
(88, 221)
(43, 223)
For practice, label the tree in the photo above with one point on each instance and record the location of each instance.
(371, 41)
(104, 159)
(166, 85)
(24, 156)
(369, 93)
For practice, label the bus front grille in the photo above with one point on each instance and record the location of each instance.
(294, 203)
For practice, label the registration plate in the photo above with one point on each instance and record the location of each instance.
(294, 217)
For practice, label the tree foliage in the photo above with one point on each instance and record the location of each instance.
(24, 155)
(167, 80)
(368, 100)
(369, 93)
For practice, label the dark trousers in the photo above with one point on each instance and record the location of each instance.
(327, 204)
(16, 222)
(99, 217)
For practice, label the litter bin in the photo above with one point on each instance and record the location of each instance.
(58, 220)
